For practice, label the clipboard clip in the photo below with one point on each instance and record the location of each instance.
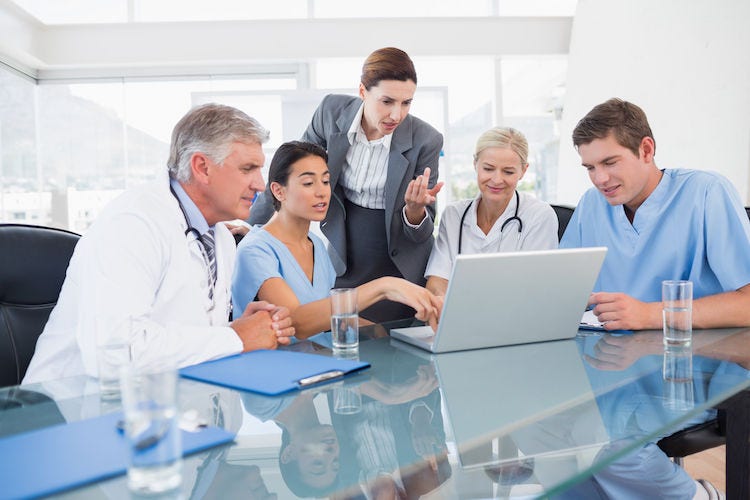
(321, 377)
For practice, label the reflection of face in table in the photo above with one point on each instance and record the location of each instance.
(309, 453)
(399, 427)
(311, 456)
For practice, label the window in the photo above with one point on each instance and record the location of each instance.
(67, 149)
(533, 91)
(20, 182)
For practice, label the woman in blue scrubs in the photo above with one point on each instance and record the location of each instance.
(284, 262)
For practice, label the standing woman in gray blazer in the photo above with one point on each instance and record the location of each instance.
(384, 168)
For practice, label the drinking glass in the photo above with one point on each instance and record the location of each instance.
(110, 358)
(677, 312)
(344, 318)
(149, 400)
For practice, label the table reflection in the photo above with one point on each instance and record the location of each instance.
(535, 419)
(646, 391)
(392, 446)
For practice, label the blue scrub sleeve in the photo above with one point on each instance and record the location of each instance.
(256, 262)
(727, 235)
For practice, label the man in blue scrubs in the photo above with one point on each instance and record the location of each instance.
(657, 225)
(669, 224)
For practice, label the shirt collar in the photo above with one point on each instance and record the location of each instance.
(652, 205)
(357, 133)
(193, 215)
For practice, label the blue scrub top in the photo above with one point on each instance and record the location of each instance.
(260, 256)
(692, 227)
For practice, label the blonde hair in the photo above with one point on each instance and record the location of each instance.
(503, 137)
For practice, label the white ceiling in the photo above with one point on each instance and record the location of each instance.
(51, 12)
(50, 51)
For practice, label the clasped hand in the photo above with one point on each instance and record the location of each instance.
(263, 326)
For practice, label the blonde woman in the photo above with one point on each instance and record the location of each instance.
(500, 218)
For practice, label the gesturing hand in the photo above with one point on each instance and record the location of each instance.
(419, 195)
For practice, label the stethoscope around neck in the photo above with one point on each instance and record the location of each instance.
(514, 218)
(190, 229)
(198, 238)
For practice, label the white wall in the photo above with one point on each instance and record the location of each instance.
(686, 63)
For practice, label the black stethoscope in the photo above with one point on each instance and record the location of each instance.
(201, 246)
(514, 218)
(190, 229)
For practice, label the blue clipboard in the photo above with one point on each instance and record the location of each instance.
(46, 461)
(272, 372)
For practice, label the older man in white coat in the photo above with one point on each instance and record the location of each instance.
(155, 268)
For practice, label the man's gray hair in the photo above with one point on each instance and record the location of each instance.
(210, 129)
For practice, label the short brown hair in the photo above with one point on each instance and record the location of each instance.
(388, 63)
(625, 120)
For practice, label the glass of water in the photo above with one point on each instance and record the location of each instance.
(344, 318)
(113, 350)
(149, 400)
(677, 312)
(109, 358)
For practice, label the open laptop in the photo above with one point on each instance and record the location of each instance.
(501, 299)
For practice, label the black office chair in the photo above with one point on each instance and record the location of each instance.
(695, 439)
(564, 213)
(34, 261)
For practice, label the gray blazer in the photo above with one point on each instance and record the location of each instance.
(415, 146)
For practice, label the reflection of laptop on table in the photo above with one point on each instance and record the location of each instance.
(511, 298)
(549, 410)
(539, 395)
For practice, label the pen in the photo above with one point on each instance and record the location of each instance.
(321, 377)
(149, 440)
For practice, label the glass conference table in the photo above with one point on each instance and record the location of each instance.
(543, 419)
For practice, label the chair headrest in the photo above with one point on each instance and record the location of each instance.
(34, 262)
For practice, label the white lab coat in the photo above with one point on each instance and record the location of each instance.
(136, 262)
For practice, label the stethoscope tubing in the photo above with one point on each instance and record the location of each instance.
(514, 218)
(191, 230)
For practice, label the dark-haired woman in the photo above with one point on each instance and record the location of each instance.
(383, 175)
(285, 262)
